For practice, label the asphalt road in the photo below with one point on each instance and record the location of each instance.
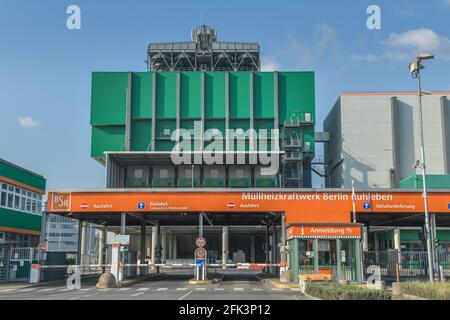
(175, 287)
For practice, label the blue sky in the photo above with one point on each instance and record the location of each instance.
(45, 68)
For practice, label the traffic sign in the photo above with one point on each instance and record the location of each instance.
(123, 239)
(448, 206)
(200, 263)
(141, 205)
(367, 206)
(200, 253)
(200, 242)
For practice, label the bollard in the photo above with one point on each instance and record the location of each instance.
(396, 288)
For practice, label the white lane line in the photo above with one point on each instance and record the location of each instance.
(27, 290)
(137, 294)
(75, 298)
(276, 289)
(162, 289)
(295, 289)
(238, 289)
(47, 290)
(123, 289)
(183, 297)
(219, 289)
(8, 290)
(257, 289)
(143, 289)
(180, 289)
(200, 289)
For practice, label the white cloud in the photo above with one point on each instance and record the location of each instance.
(405, 46)
(326, 38)
(269, 63)
(28, 122)
(296, 53)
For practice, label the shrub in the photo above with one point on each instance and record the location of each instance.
(428, 290)
(334, 291)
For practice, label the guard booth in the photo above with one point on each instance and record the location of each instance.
(325, 249)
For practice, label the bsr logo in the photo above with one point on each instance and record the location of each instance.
(61, 201)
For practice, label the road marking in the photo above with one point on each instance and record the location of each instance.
(137, 294)
(123, 289)
(75, 298)
(162, 289)
(46, 290)
(143, 289)
(181, 298)
(219, 289)
(200, 289)
(257, 289)
(276, 289)
(180, 289)
(27, 290)
(8, 290)
(295, 289)
(238, 289)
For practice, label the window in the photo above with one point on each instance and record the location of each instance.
(20, 199)
(10, 200)
(3, 199)
(16, 202)
(239, 173)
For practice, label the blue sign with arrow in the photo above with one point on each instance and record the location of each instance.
(200, 263)
(367, 206)
(141, 205)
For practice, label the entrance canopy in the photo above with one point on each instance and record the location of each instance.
(243, 206)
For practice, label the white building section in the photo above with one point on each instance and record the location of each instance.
(374, 138)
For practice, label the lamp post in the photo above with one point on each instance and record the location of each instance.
(415, 68)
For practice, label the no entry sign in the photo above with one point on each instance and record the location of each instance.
(200, 242)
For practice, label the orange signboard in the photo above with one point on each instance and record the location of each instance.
(324, 231)
(300, 207)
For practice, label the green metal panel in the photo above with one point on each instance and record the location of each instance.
(140, 135)
(110, 138)
(108, 98)
(239, 95)
(406, 235)
(296, 95)
(190, 100)
(215, 95)
(263, 89)
(141, 95)
(166, 93)
(19, 220)
(433, 182)
(11, 171)
(443, 235)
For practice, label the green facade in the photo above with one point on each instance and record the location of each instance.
(14, 218)
(19, 220)
(16, 173)
(433, 182)
(178, 97)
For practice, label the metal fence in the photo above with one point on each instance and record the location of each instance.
(408, 265)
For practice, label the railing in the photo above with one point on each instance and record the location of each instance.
(406, 264)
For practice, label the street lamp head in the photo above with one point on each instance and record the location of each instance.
(425, 56)
(415, 67)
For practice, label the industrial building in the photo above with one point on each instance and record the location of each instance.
(189, 146)
(20, 218)
(374, 138)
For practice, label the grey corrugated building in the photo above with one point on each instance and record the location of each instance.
(375, 138)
